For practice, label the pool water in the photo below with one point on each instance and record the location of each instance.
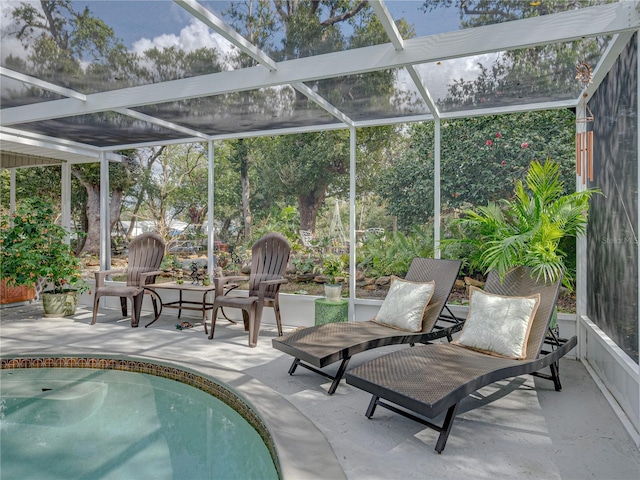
(66, 423)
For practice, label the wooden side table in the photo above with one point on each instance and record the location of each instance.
(331, 312)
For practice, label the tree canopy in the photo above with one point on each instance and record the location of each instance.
(480, 160)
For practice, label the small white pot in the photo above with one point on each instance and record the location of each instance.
(332, 292)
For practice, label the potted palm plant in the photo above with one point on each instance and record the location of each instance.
(33, 247)
(531, 229)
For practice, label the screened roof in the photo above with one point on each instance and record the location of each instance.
(157, 72)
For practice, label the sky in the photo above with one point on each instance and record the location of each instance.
(170, 19)
(162, 23)
(166, 25)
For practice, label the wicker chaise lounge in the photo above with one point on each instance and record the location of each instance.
(432, 379)
(316, 347)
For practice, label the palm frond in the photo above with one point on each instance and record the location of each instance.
(528, 229)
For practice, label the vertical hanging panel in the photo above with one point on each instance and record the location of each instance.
(612, 240)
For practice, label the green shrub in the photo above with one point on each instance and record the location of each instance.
(530, 229)
(32, 246)
(393, 254)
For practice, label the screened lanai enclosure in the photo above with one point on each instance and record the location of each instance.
(89, 81)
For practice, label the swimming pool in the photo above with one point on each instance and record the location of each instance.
(297, 446)
(109, 418)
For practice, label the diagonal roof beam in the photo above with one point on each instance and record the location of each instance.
(52, 87)
(322, 102)
(389, 25)
(611, 54)
(547, 29)
(386, 20)
(220, 27)
(162, 123)
(396, 40)
(424, 91)
(223, 29)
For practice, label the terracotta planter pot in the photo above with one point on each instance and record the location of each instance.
(12, 294)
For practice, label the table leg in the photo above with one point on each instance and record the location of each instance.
(227, 290)
(156, 311)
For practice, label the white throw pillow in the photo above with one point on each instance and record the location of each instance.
(498, 324)
(404, 306)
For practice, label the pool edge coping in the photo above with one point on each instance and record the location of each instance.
(302, 449)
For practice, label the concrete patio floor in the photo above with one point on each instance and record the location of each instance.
(519, 428)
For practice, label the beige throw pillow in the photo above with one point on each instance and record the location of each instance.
(498, 324)
(404, 305)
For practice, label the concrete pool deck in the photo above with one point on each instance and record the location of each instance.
(507, 430)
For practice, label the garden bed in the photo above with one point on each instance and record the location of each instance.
(459, 296)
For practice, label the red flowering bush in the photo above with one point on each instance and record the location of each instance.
(501, 150)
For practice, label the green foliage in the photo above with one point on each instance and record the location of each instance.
(302, 168)
(44, 180)
(392, 254)
(282, 220)
(528, 229)
(407, 184)
(542, 72)
(333, 267)
(312, 28)
(33, 247)
(305, 265)
(481, 158)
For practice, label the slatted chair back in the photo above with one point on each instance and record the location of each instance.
(145, 255)
(269, 258)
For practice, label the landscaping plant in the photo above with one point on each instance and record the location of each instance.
(530, 229)
(32, 246)
(393, 254)
(332, 267)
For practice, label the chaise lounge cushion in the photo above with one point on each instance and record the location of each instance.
(498, 324)
(404, 306)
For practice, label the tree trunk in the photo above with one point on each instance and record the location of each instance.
(246, 209)
(145, 183)
(92, 242)
(308, 205)
(242, 153)
(114, 208)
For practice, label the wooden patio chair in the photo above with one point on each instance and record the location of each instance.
(432, 379)
(269, 258)
(317, 347)
(145, 256)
